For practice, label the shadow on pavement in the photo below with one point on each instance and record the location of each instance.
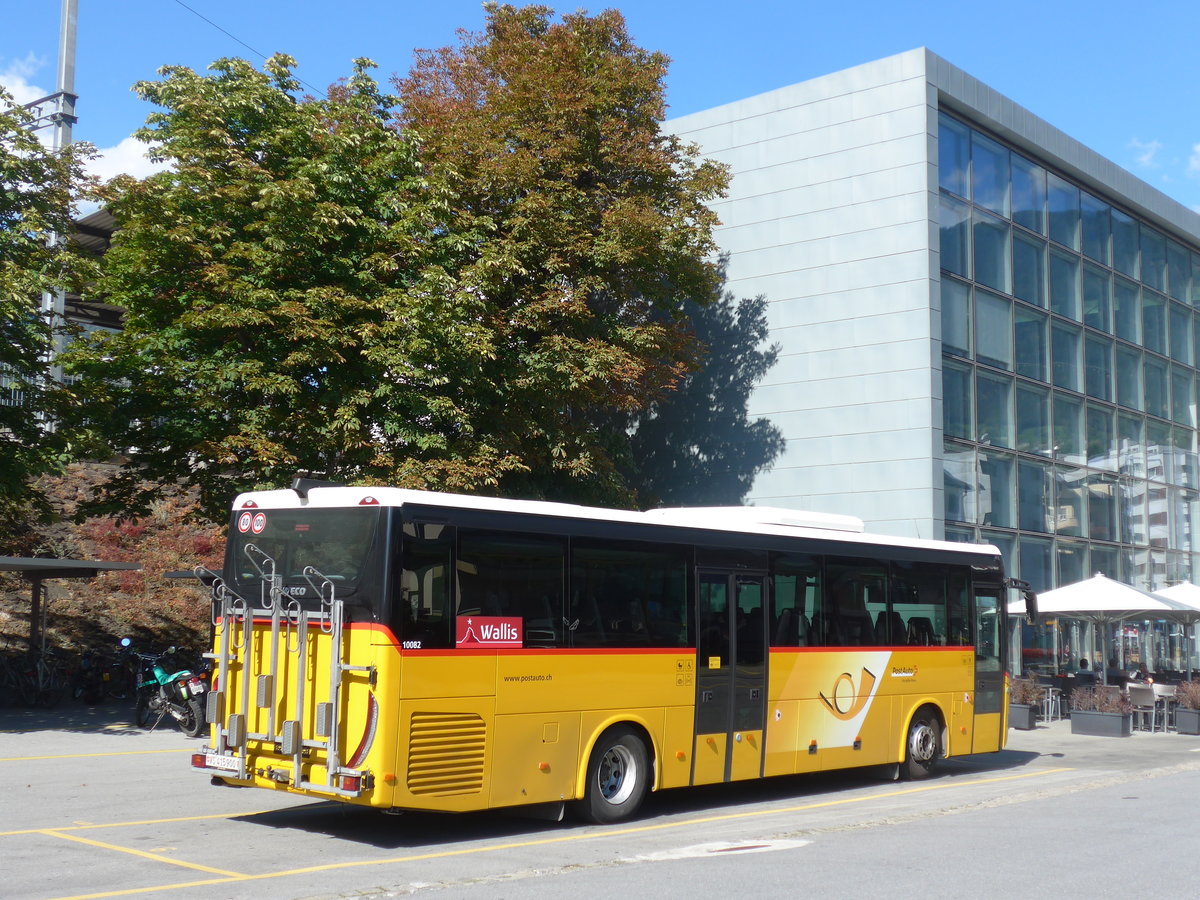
(110, 718)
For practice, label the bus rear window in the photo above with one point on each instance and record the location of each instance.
(335, 542)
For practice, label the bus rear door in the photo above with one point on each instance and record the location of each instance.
(731, 676)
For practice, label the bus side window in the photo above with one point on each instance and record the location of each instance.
(421, 615)
(510, 575)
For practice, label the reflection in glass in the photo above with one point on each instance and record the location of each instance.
(1154, 382)
(1183, 447)
(1131, 511)
(958, 398)
(993, 409)
(1064, 284)
(989, 173)
(1159, 459)
(1035, 556)
(958, 481)
(1106, 561)
(955, 245)
(1127, 310)
(1179, 272)
(1070, 507)
(1181, 333)
(956, 317)
(1154, 322)
(1029, 269)
(1154, 258)
(991, 251)
(1102, 507)
(1033, 419)
(1097, 228)
(1028, 194)
(1101, 437)
(994, 333)
(1182, 402)
(1032, 351)
(997, 489)
(1063, 203)
(1068, 428)
(1129, 377)
(1034, 495)
(1097, 366)
(1071, 557)
(1132, 460)
(1097, 298)
(952, 155)
(1065, 355)
(1125, 242)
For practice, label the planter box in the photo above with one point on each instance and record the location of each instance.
(1022, 716)
(1101, 724)
(1187, 721)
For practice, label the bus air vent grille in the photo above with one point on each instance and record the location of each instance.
(445, 753)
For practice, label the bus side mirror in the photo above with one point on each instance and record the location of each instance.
(1022, 590)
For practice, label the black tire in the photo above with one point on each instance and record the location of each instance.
(923, 746)
(193, 718)
(141, 713)
(618, 776)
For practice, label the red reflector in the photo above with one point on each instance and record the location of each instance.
(198, 761)
(249, 504)
(368, 501)
(351, 782)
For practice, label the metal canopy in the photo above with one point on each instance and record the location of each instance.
(37, 569)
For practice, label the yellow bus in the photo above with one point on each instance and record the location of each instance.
(409, 650)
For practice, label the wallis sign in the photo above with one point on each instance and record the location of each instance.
(489, 631)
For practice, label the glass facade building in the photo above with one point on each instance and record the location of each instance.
(1070, 344)
(986, 331)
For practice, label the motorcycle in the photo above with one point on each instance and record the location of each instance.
(163, 690)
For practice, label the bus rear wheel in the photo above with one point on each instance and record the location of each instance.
(617, 777)
(923, 746)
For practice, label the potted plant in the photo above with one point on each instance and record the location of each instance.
(1024, 700)
(1187, 713)
(1102, 711)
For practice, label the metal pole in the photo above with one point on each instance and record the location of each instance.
(62, 118)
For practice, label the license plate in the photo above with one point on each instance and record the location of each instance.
(221, 761)
(196, 688)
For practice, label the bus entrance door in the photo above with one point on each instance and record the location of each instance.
(731, 683)
(989, 732)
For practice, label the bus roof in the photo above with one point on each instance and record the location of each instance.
(729, 519)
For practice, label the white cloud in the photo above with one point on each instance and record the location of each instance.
(1193, 164)
(1146, 151)
(127, 158)
(15, 77)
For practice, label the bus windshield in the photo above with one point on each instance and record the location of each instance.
(335, 542)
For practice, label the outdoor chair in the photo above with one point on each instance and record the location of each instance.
(1164, 695)
(1145, 706)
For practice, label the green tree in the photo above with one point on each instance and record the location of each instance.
(284, 296)
(595, 231)
(38, 189)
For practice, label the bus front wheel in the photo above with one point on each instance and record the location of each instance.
(617, 777)
(923, 746)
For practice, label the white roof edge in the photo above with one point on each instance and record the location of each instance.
(746, 519)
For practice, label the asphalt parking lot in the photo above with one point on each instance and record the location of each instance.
(91, 806)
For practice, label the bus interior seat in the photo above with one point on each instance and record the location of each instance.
(853, 628)
(920, 631)
(890, 627)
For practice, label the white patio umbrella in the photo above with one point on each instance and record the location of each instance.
(1103, 602)
(1189, 595)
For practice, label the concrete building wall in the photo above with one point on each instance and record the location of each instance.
(832, 216)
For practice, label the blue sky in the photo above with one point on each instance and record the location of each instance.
(1122, 78)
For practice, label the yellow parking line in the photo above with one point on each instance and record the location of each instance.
(560, 839)
(142, 853)
(89, 826)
